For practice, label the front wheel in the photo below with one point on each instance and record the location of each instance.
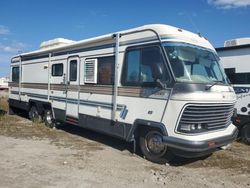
(152, 147)
(245, 134)
(48, 119)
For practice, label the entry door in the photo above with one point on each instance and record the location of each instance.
(72, 96)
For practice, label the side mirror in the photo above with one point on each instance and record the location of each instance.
(158, 72)
(158, 75)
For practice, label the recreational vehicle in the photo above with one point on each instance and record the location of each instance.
(157, 86)
(235, 59)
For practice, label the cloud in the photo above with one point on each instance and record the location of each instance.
(4, 64)
(13, 48)
(4, 30)
(8, 49)
(228, 4)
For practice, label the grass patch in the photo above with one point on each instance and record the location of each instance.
(4, 106)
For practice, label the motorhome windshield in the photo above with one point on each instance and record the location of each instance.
(194, 64)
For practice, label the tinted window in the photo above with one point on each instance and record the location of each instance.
(142, 65)
(57, 69)
(15, 74)
(106, 67)
(237, 78)
(73, 70)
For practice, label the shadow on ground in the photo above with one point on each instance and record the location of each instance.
(97, 137)
(119, 144)
(107, 140)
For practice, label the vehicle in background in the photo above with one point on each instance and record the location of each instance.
(235, 59)
(4, 83)
(156, 85)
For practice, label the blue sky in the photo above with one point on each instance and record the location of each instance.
(24, 24)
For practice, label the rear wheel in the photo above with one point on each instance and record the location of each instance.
(48, 119)
(245, 134)
(152, 147)
(11, 110)
(34, 115)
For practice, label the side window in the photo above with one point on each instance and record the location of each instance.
(15, 74)
(73, 70)
(106, 67)
(230, 72)
(142, 67)
(133, 66)
(237, 78)
(100, 70)
(241, 78)
(57, 69)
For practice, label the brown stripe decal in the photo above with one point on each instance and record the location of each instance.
(34, 86)
(58, 87)
(13, 84)
(94, 89)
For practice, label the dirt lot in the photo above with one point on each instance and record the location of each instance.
(35, 156)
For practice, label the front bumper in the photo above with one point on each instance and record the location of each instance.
(187, 148)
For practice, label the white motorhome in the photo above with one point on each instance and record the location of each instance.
(159, 85)
(235, 59)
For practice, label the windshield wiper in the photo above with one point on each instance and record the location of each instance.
(213, 84)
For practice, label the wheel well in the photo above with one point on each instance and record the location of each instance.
(141, 129)
(47, 106)
(41, 106)
(32, 103)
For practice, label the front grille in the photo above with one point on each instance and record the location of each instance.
(212, 116)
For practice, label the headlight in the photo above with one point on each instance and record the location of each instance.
(192, 127)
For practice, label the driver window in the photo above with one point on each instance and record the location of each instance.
(142, 66)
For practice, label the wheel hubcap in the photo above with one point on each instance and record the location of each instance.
(154, 143)
(49, 118)
(34, 114)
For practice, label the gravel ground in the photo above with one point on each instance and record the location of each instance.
(35, 156)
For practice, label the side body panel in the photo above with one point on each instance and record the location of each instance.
(90, 105)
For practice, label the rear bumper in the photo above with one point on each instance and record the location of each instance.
(187, 148)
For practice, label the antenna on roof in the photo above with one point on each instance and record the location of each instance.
(19, 52)
(192, 23)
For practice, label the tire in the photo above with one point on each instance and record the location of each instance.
(11, 110)
(34, 115)
(48, 119)
(152, 148)
(245, 134)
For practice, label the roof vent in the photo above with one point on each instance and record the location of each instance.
(55, 42)
(237, 42)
